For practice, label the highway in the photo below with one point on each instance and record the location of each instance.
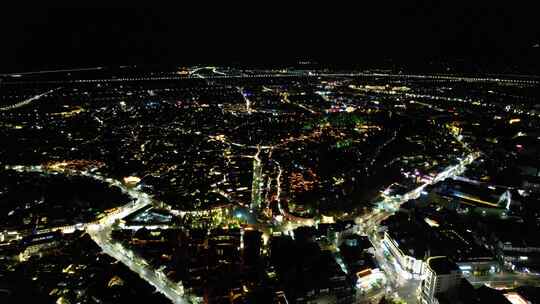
(442, 78)
(52, 71)
(27, 101)
(293, 73)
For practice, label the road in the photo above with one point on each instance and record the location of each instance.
(285, 99)
(101, 235)
(398, 280)
(139, 198)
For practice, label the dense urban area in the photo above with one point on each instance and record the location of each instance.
(215, 184)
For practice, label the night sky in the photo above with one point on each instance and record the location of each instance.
(490, 38)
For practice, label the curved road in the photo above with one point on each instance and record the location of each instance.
(100, 232)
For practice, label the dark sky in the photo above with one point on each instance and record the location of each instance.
(36, 38)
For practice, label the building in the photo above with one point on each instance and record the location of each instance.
(518, 249)
(412, 237)
(474, 195)
(442, 276)
(531, 183)
(408, 263)
(40, 244)
(479, 265)
(310, 274)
